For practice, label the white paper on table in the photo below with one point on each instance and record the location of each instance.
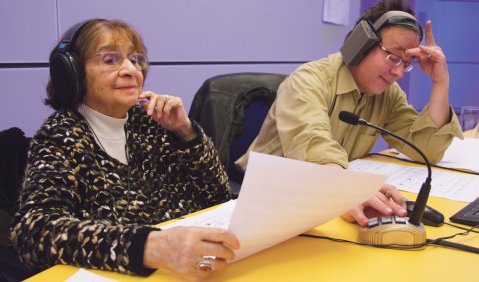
(218, 217)
(281, 198)
(462, 154)
(83, 275)
(444, 184)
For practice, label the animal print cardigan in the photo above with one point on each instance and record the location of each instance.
(79, 206)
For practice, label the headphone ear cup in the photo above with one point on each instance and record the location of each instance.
(67, 76)
(359, 42)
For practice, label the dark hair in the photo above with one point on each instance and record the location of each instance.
(84, 43)
(381, 7)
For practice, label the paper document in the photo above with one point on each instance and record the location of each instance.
(462, 154)
(281, 198)
(219, 217)
(336, 11)
(83, 275)
(448, 185)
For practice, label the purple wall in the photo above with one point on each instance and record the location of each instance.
(454, 26)
(188, 40)
(192, 40)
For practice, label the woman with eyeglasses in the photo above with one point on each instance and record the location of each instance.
(303, 122)
(114, 160)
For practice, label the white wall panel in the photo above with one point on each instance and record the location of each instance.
(21, 94)
(28, 30)
(220, 30)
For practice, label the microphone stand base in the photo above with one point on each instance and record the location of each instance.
(394, 231)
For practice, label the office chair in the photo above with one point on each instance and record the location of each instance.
(231, 109)
(13, 158)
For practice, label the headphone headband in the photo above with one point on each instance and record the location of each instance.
(66, 44)
(398, 18)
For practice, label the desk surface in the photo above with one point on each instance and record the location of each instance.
(307, 259)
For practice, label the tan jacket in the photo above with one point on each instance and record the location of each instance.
(303, 121)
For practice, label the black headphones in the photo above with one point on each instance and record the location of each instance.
(365, 35)
(66, 74)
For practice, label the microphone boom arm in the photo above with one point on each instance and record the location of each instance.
(423, 194)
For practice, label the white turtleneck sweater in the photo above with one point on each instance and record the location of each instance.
(109, 132)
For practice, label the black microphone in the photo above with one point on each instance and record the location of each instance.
(421, 201)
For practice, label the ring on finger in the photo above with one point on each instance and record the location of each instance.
(389, 195)
(428, 55)
(205, 265)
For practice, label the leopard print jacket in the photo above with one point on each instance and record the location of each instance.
(81, 207)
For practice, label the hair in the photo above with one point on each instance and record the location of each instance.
(85, 41)
(383, 6)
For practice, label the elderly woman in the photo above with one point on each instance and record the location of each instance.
(112, 161)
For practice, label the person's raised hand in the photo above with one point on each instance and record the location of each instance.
(431, 58)
(169, 112)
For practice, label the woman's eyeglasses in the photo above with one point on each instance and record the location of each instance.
(115, 59)
(396, 60)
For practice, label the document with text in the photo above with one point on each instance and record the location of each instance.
(445, 184)
(461, 154)
(281, 198)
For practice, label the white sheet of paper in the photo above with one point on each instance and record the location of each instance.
(460, 154)
(281, 198)
(336, 11)
(218, 217)
(83, 275)
(445, 184)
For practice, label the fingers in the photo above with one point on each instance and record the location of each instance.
(426, 53)
(356, 214)
(192, 251)
(392, 203)
(387, 201)
(216, 248)
(429, 36)
(167, 105)
(219, 235)
(167, 110)
(148, 100)
(208, 264)
(162, 104)
(430, 51)
(392, 193)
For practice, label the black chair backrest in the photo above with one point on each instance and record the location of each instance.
(13, 159)
(231, 109)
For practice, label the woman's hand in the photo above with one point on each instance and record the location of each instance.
(182, 248)
(169, 112)
(387, 201)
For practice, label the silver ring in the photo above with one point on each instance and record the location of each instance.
(428, 55)
(205, 265)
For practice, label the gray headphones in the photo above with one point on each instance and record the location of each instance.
(365, 35)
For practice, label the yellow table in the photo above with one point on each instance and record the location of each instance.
(307, 259)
